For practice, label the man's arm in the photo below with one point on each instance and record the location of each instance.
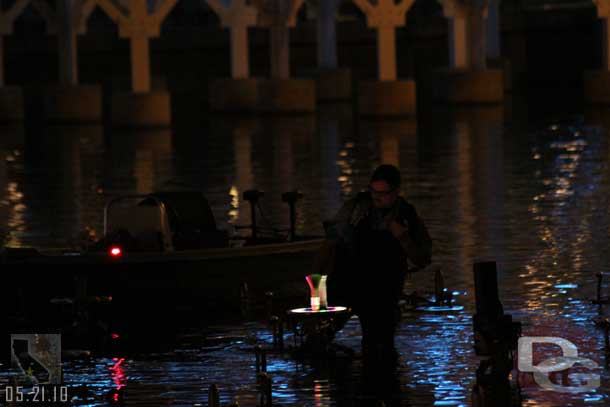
(418, 247)
(335, 232)
(336, 229)
(413, 237)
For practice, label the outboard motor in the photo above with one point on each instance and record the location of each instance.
(253, 196)
(291, 199)
(191, 220)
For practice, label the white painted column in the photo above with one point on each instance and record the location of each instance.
(327, 34)
(237, 16)
(276, 13)
(458, 43)
(280, 51)
(67, 43)
(139, 26)
(385, 16)
(279, 16)
(477, 33)
(240, 59)
(386, 52)
(467, 33)
(140, 47)
(140, 64)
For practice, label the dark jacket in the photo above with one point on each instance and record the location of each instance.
(361, 256)
(416, 243)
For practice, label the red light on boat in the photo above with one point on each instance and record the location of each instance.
(115, 336)
(115, 251)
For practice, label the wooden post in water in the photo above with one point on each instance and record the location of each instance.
(495, 340)
(439, 287)
(257, 356)
(266, 392)
(486, 290)
(269, 304)
(213, 396)
(600, 277)
(244, 300)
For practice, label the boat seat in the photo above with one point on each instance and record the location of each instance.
(191, 220)
(142, 222)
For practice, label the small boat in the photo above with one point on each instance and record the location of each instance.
(162, 256)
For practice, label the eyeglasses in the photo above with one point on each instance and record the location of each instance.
(381, 194)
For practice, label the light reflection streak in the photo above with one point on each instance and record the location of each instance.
(118, 373)
(244, 176)
(345, 163)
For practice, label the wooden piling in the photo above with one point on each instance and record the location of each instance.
(486, 290)
(213, 396)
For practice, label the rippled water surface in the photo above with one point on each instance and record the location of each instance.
(491, 184)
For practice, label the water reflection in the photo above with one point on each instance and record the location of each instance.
(139, 161)
(480, 185)
(397, 140)
(243, 132)
(12, 208)
(330, 177)
(536, 201)
(284, 157)
(73, 155)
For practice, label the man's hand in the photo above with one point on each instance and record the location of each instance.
(396, 229)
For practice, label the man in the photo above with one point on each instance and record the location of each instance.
(369, 244)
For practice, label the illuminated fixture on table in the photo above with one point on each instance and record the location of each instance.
(317, 289)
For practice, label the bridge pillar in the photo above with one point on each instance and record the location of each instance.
(387, 96)
(139, 21)
(240, 92)
(597, 82)
(68, 101)
(280, 93)
(467, 79)
(327, 34)
(392, 136)
(11, 97)
(494, 44)
(333, 83)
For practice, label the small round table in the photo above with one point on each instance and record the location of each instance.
(316, 329)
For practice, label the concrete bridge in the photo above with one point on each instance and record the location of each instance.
(475, 71)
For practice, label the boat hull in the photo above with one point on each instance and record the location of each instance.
(148, 288)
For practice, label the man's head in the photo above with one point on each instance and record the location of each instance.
(385, 186)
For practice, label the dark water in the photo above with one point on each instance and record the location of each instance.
(498, 183)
